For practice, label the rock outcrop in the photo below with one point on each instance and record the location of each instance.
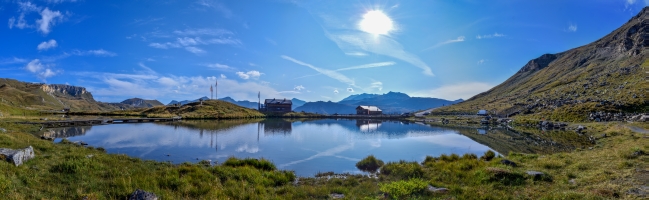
(18, 156)
(142, 195)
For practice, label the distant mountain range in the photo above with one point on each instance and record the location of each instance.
(187, 101)
(141, 103)
(391, 102)
(244, 103)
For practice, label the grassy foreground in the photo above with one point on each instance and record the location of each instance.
(615, 165)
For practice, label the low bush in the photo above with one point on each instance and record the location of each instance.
(403, 188)
(370, 164)
(403, 170)
(262, 164)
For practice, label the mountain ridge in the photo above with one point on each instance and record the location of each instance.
(606, 75)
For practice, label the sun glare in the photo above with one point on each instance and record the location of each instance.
(376, 22)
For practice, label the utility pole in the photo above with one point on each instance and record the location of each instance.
(216, 89)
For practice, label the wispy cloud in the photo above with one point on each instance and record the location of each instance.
(14, 60)
(195, 50)
(488, 36)
(299, 87)
(202, 31)
(572, 28)
(459, 39)
(225, 11)
(366, 66)
(350, 89)
(48, 18)
(60, 1)
(98, 52)
(46, 45)
(250, 74)
(358, 54)
(336, 91)
(357, 41)
(219, 66)
(481, 61)
(330, 73)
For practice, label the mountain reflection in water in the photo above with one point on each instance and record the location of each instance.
(307, 146)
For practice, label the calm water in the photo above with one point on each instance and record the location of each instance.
(306, 147)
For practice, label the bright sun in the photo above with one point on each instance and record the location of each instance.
(376, 22)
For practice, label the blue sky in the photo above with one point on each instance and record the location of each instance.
(310, 50)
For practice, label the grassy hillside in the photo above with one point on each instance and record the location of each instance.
(42, 97)
(606, 75)
(211, 109)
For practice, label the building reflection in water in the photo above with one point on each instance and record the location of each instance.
(276, 127)
(368, 125)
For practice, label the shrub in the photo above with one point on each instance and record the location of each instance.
(504, 176)
(488, 155)
(262, 164)
(469, 156)
(403, 188)
(403, 170)
(370, 164)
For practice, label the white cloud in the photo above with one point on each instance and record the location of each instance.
(219, 66)
(186, 41)
(299, 87)
(223, 76)
(456, 91)
(46, 45)
(60, 1)
(572, 28)
(13, 60)
(488, 36)
(350, 89)
(371, 65)
(358, 41)
(48, 19)
(195, 50)
(330, 73)
(359, 54)
(377, 85)
(481, 61)
(250, 74)
(98, 52)
(166, 81)
(245, 148)
(459, 39)
(203, 31)
(336, 91)
(27, 7)
(42, 71)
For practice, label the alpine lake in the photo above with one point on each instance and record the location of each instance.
(305, 146)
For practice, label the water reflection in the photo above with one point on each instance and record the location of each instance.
(306, 146)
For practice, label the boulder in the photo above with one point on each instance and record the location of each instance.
(337, 196)
(18, 156)
(508, 162)
(2, 130)
(142, 195)
(436, 189)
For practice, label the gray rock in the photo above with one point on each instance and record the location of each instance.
(572, 181)
(337, 196)
(642, 191)
(535, 173)
(17, 157)
(142, 195)
(508, 163)
(436, 189)
(3, 130)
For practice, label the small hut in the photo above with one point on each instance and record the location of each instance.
(368, 110)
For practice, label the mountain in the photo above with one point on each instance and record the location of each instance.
(606, 75)
(187, 101)
(391, 102)
(141, 103)
(328, 107)
(41, 96)
(297, 103)
(245, 103)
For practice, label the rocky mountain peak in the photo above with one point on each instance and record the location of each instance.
(538, 63)
(64, 89)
